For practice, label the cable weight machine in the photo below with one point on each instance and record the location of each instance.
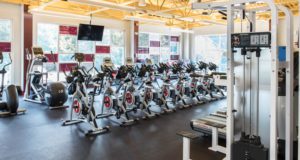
(270, 106)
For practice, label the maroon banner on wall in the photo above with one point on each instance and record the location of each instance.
(174, 38)
(66, 67)
(140, 60)
(103, 49)
(143, 51)
(5, 46)
(52, 58)
(68, 30)
(88, 57)
(154, 43)
(174, 57)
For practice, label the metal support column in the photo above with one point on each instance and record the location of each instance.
(289, 112)
(274, 83)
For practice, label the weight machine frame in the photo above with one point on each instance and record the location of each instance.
(230, 5)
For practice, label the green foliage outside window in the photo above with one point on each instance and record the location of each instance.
(6, 36)
(86, 46)
(5, 31)
(117, 38)
(47, 37)
(105, 39)
(143, 40)
(67, 44)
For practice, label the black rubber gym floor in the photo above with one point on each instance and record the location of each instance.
(38, 135)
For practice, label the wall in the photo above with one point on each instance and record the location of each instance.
(13, 12)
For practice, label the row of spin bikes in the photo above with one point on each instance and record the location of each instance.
(136, 89)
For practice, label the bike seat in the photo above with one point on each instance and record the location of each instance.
(149, 83)
(98, 77)
(195, 75)
(127, 80)
(167, 81)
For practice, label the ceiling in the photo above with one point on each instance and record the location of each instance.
(173, 13)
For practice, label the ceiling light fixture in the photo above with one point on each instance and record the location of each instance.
(142, 3)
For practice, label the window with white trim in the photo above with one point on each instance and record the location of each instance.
(6, 47)
(62, 41)
(212, 48)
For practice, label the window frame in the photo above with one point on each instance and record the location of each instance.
(10, 67)
(58, 63)
(206, 49)
(179, 51)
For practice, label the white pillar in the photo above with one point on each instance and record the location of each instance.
(186, 46)
(230, 84)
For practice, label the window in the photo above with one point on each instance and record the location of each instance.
(212, 48)
(105, 39)
(5, 47)
(47, 37)
(5, 30)
(67, 44)
(160, 48)
(143, 40)
(62, 40)
(86, 46)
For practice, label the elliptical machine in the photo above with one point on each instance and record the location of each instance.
(53, 94)
(10, 106)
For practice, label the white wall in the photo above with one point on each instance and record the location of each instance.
(158, 29)
(13, 12)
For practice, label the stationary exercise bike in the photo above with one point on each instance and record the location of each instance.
(82, 101)
(204, 83)
(147, 94)
(10, 106)
(112, 103)
(130, 94)
(194, 84)
(180, 86)
(167, 91)
(216, 91)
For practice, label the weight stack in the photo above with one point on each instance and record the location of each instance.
(246, 151)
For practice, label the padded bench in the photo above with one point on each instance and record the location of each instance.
(214, 124)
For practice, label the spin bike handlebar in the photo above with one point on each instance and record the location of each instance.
(10, 61)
